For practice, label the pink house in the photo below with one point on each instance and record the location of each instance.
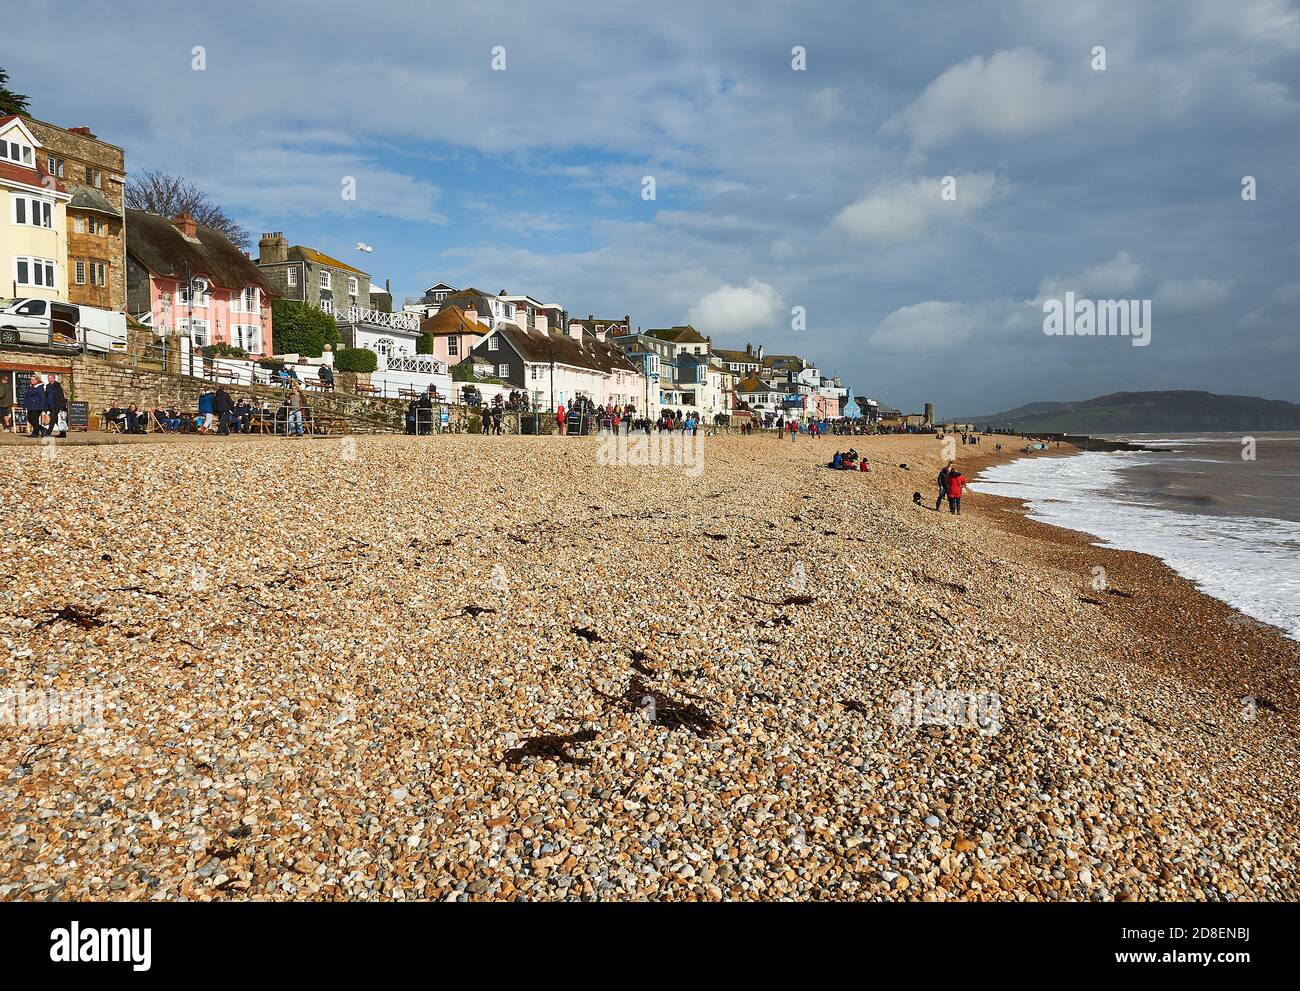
(186, 279)
(454, 332)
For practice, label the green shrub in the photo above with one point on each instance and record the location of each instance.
(424, 344)
(223, 350)
(299, 328)
(355, 360)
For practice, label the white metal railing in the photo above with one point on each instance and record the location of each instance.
(423, 364)
(378, 318)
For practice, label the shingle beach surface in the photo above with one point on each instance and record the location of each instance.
(493, 668)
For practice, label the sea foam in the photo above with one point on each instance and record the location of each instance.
(1251, 563)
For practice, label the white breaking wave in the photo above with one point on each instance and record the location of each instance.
(1251, 563)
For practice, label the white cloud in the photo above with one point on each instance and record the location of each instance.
(729, 309)
(904, 211)
(1122, 274)
(1191, 295)
(1006, 95)
(921, 327)
(937, 325)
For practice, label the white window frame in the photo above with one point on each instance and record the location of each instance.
(291, 278)
(17, 151)
(81, 272)
(503, 371)
(188, 326)
(453, 346)
(493, 344)
(326, 279)
(201, 299)
(37, 212)
(46, 268)
(353, 286)
(247, 336)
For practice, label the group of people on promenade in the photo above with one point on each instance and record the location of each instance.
(218, 413)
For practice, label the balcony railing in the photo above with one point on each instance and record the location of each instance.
(422, 363)
(409, 322)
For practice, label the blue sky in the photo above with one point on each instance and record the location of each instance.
(775, 187)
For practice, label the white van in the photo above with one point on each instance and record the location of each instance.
(49, 323)
(102, 330)
(39, 322)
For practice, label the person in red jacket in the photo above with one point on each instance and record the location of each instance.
(956, 485)
(559, 419)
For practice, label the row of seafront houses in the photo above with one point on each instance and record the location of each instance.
(65, 234)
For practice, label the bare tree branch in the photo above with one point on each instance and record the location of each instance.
(167, 195)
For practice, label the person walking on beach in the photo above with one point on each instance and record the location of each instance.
(943, 486)
(295, 411)
(956, 485)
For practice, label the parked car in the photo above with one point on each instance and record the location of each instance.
(48, 323)
(39, 322)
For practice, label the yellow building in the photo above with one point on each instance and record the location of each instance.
(33, 218)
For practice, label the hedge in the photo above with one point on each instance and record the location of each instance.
(356, 360)
(299, 328)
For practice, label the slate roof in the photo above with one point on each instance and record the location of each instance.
(320, 258)
(538, 348)
(163, 250)
(679, 335)
(90, 198)
(737, 356)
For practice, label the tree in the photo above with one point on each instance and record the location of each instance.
(10, 102)
(167, 195)
(299, 328)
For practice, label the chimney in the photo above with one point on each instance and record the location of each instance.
(600, 335)
(575, 331)
(84, 131)
(184, 223)
(749, 349)
(388, 286)
(760, 352)
(471, 311)
(272, 249)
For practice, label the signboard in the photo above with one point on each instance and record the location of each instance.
(78, 416)
(446, 416)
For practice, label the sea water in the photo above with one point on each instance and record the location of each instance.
(1230, 524)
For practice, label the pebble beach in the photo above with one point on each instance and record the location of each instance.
(471, 668)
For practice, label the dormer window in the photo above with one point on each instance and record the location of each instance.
(15, 151)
